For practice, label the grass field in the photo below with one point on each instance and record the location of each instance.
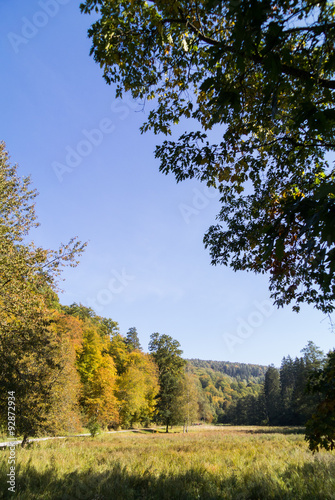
(207, 463)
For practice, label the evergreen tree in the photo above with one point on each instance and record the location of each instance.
(132, 341)
(305, 403)
(272, 395)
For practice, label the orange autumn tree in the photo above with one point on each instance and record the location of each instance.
(69, 331)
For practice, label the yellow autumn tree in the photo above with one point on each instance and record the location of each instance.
(137, 388)
(98, 376)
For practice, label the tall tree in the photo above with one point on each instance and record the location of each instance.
(38, 367)
(137, 388)
(119, 351)
(304, 403)
(36, 356)
(187, 410)
(27, 272)
(260, 74)
(111, 327)
(272, 395)
(98, 376)
(166, 353)
(287, 385)
(320, 429)
(132, 340)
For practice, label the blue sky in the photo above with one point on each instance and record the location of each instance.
(145, 264)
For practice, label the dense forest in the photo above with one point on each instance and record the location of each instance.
(239, 371)
(222, 383)
(286, 397)
(243, 394)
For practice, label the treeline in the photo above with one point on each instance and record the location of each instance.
(289, 395)
(239, 371)
(79, 371)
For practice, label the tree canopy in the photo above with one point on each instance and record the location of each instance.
(166, 353)
(256, 80)
(28, 273)
(320, 428)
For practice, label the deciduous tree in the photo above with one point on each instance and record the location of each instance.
(166, 353)
(320, 429)
(256, 80)
(188, 401)
(137, 388)
(37, 358)
(38, 365)
(98, 376)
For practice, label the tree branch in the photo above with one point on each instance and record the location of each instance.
(301, 74)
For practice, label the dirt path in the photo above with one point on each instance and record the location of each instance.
(14, 443)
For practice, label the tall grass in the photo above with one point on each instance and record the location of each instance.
(226, 463)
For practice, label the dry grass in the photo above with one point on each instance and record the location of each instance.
(207, 463)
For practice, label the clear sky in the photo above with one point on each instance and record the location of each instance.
(145, 264)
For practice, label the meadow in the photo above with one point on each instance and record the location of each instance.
(207, 463)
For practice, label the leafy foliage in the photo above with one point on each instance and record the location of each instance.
(137, 388)
(320, 429)
(38, 364)
(65, 362)
(37, 358)
(166, 353)
(188, 401)
(224, 389)
(258, 75)
(98, 376)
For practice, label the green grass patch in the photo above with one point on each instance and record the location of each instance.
(223, 463)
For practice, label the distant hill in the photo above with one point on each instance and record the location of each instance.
(222, 383)
(239, 371)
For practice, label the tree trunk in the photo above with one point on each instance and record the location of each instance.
(24, 441)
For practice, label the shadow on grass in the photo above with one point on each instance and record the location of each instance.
(308, 482)
(145, 431)
(277, 430)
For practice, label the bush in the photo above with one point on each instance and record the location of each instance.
(93, 427)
